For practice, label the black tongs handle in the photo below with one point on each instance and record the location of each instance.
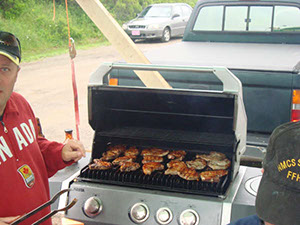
(52, 213)
(51, 201)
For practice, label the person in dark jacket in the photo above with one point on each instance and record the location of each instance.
(278, 195)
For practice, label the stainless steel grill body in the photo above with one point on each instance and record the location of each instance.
(194, 121)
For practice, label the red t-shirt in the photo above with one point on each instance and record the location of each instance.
(26, 162)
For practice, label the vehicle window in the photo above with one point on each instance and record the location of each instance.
(186, 11)
(156, 11)
(248, 18)
(260, 18)
(177, 10)
(209, 19)
(235, 18)
(286, 18)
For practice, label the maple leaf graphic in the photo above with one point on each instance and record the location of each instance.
(25, 170)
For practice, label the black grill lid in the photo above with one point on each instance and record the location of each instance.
(170, 111)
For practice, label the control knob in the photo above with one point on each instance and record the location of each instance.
(92, 207)
(164, 216)
(139, 213)
(189, 217)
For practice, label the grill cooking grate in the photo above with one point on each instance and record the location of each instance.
(157, 180)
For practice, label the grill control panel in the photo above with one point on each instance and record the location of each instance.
(131, 206)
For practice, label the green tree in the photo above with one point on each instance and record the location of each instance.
(125, 10)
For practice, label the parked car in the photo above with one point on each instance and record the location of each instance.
(164, 21)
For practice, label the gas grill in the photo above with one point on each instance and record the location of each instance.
(196, 121)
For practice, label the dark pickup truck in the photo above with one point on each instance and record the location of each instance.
(258, 41)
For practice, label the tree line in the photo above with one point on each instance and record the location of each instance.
(122, 10)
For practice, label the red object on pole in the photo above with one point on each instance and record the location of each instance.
(76, 107)
(72, 52)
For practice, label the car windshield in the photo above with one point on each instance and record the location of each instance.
(156, 11)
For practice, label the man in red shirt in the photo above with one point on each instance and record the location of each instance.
(26, 159)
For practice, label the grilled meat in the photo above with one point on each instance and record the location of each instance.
(189, 174)
(120, 148)
(178, 155)
(129, 166)
(174, 167)
(107, 158)
(219, 165)
(155, 152)
(213, 176)
(131, 151)
(100, 165)
(198, 164)
(123, 159)
(109, 155)
(150, 167)
(151, 158)
(173, 163)
(113, 152)
(212, 156)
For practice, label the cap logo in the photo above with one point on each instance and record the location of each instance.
(4, 43)
(288, 164)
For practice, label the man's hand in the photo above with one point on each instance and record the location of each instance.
(8, 220)
(73, 150)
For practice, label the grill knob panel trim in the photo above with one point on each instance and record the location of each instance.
(92, 207)
(189, 217)
(164, 216)
(139, 213)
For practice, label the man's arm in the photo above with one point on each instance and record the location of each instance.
(8, 220)
(73, 150)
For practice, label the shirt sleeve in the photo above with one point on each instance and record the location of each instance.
(51, 152)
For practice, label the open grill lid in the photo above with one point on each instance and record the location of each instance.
(178, 115)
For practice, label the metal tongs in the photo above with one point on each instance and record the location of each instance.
(52, 213)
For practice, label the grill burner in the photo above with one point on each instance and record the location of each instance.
(157, 181)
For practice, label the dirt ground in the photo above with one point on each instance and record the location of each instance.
(47, 85)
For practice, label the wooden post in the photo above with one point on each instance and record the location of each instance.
(121, 41)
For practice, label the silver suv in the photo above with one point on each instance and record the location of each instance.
(162, 21)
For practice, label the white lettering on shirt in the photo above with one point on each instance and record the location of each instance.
(24, 135)
(20, 139)
(4, 148)
(27, 132)
(32, 128)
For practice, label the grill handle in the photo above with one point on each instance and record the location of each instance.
(251, 161)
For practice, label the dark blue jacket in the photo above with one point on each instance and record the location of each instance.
(249, 220)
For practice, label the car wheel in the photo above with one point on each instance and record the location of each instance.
(166, 35)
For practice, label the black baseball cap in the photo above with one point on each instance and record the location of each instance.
(278, 196)
(10, 47)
